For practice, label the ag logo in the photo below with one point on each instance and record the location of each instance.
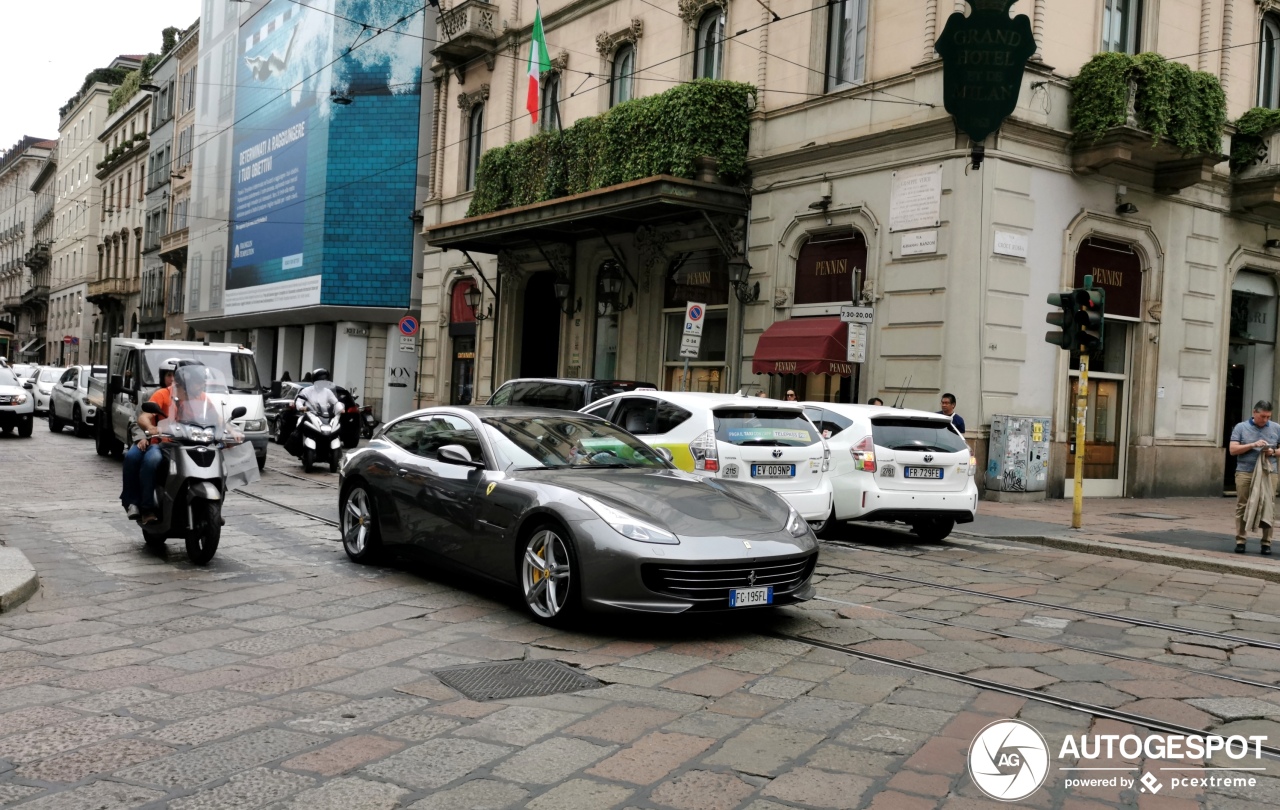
(1008, 760)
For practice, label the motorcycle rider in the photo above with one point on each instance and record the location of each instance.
(143, 458)
(319, 398)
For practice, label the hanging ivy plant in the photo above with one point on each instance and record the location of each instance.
(1172, 102)
(660, 134)
(1247, 145)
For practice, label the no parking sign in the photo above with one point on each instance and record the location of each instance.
(408, 326)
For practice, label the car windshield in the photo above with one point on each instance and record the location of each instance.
(900, 433)
(7, 378)
(50, 374)
(565, 442)
(238, 371)
(764, 427)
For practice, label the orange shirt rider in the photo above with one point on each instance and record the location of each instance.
(191, 406)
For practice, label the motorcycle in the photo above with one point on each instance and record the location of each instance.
(202, 463)
(317, 438)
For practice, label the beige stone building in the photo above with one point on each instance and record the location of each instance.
(861, 190)
(78, 212)
(115, 289)
(24, 290)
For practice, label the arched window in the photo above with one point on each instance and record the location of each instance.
(550, 116)
(847, 43)
(621, 74)
(475, 134)
(709, 48)
(1269, 63)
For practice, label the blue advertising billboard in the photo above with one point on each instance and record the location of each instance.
(320, 192)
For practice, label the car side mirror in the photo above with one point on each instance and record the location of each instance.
(457, 454)
(69, 384)
(238, 411)
(28, 385)
(277, 390)
(665, 454)
(152, 408)
(116, 382)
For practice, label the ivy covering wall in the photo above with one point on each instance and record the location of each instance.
(1174, 103)
(660, 134)
(1247, 146)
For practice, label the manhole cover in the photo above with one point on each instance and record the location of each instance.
(1149, 515)
(517, 679)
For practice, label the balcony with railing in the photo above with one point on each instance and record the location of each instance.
(173, 246)
(112, 290)
(468, 30)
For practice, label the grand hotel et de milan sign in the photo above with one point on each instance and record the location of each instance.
(983, 56)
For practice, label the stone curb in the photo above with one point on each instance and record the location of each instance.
(1125, 551)
(18, 580)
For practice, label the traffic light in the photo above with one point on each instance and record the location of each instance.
(1090, 308)
(1065, 320)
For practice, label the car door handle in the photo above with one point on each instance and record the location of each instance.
(401, 473)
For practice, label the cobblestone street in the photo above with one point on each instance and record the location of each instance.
(284, 676)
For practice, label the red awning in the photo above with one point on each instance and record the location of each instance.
(804, 346)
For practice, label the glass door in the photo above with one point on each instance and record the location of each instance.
(1106, 417)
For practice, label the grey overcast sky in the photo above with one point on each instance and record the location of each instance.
(51, 44)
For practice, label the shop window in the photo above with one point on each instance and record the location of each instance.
(606, 356)
(621, 75)
(700, 276)
(709, 48)
(1269, 63)
(847, 43)
(1121, 20)
(830, 269)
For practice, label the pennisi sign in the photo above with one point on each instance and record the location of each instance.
(983, 56)
(1116, 268)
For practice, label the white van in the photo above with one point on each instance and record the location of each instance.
(763, 441)
(134, 375)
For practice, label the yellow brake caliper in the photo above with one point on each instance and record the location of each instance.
(537, 572)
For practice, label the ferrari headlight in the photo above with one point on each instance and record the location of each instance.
(630, 526)
(796, 525)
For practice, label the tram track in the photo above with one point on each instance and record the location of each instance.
(1097, 614)
(1092, 709)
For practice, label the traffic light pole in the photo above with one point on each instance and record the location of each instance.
(1082, 407)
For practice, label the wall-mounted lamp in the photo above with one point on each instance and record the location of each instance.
(149, 87)
(609, 284)
(473, 296)
(739, 270)
(563, 294)
(339, 98)
(1123, 207)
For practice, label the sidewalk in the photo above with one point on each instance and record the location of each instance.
(18, 580)
(1188, 532)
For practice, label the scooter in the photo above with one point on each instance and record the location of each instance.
(191, 484)
(317, 439)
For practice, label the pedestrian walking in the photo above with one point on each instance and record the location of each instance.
(875, 401)
(1254, 443)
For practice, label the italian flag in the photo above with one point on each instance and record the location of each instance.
(539, 63)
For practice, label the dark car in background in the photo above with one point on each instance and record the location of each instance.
(564, 394)
(277, 403)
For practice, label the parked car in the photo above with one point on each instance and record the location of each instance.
(70, 404)
(730, 436)
(573, 512)
(45, 379)
(17, 404)
(893, 464)
(560, 393)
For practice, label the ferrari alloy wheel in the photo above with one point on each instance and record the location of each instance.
(359, 526)
(546, 575)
